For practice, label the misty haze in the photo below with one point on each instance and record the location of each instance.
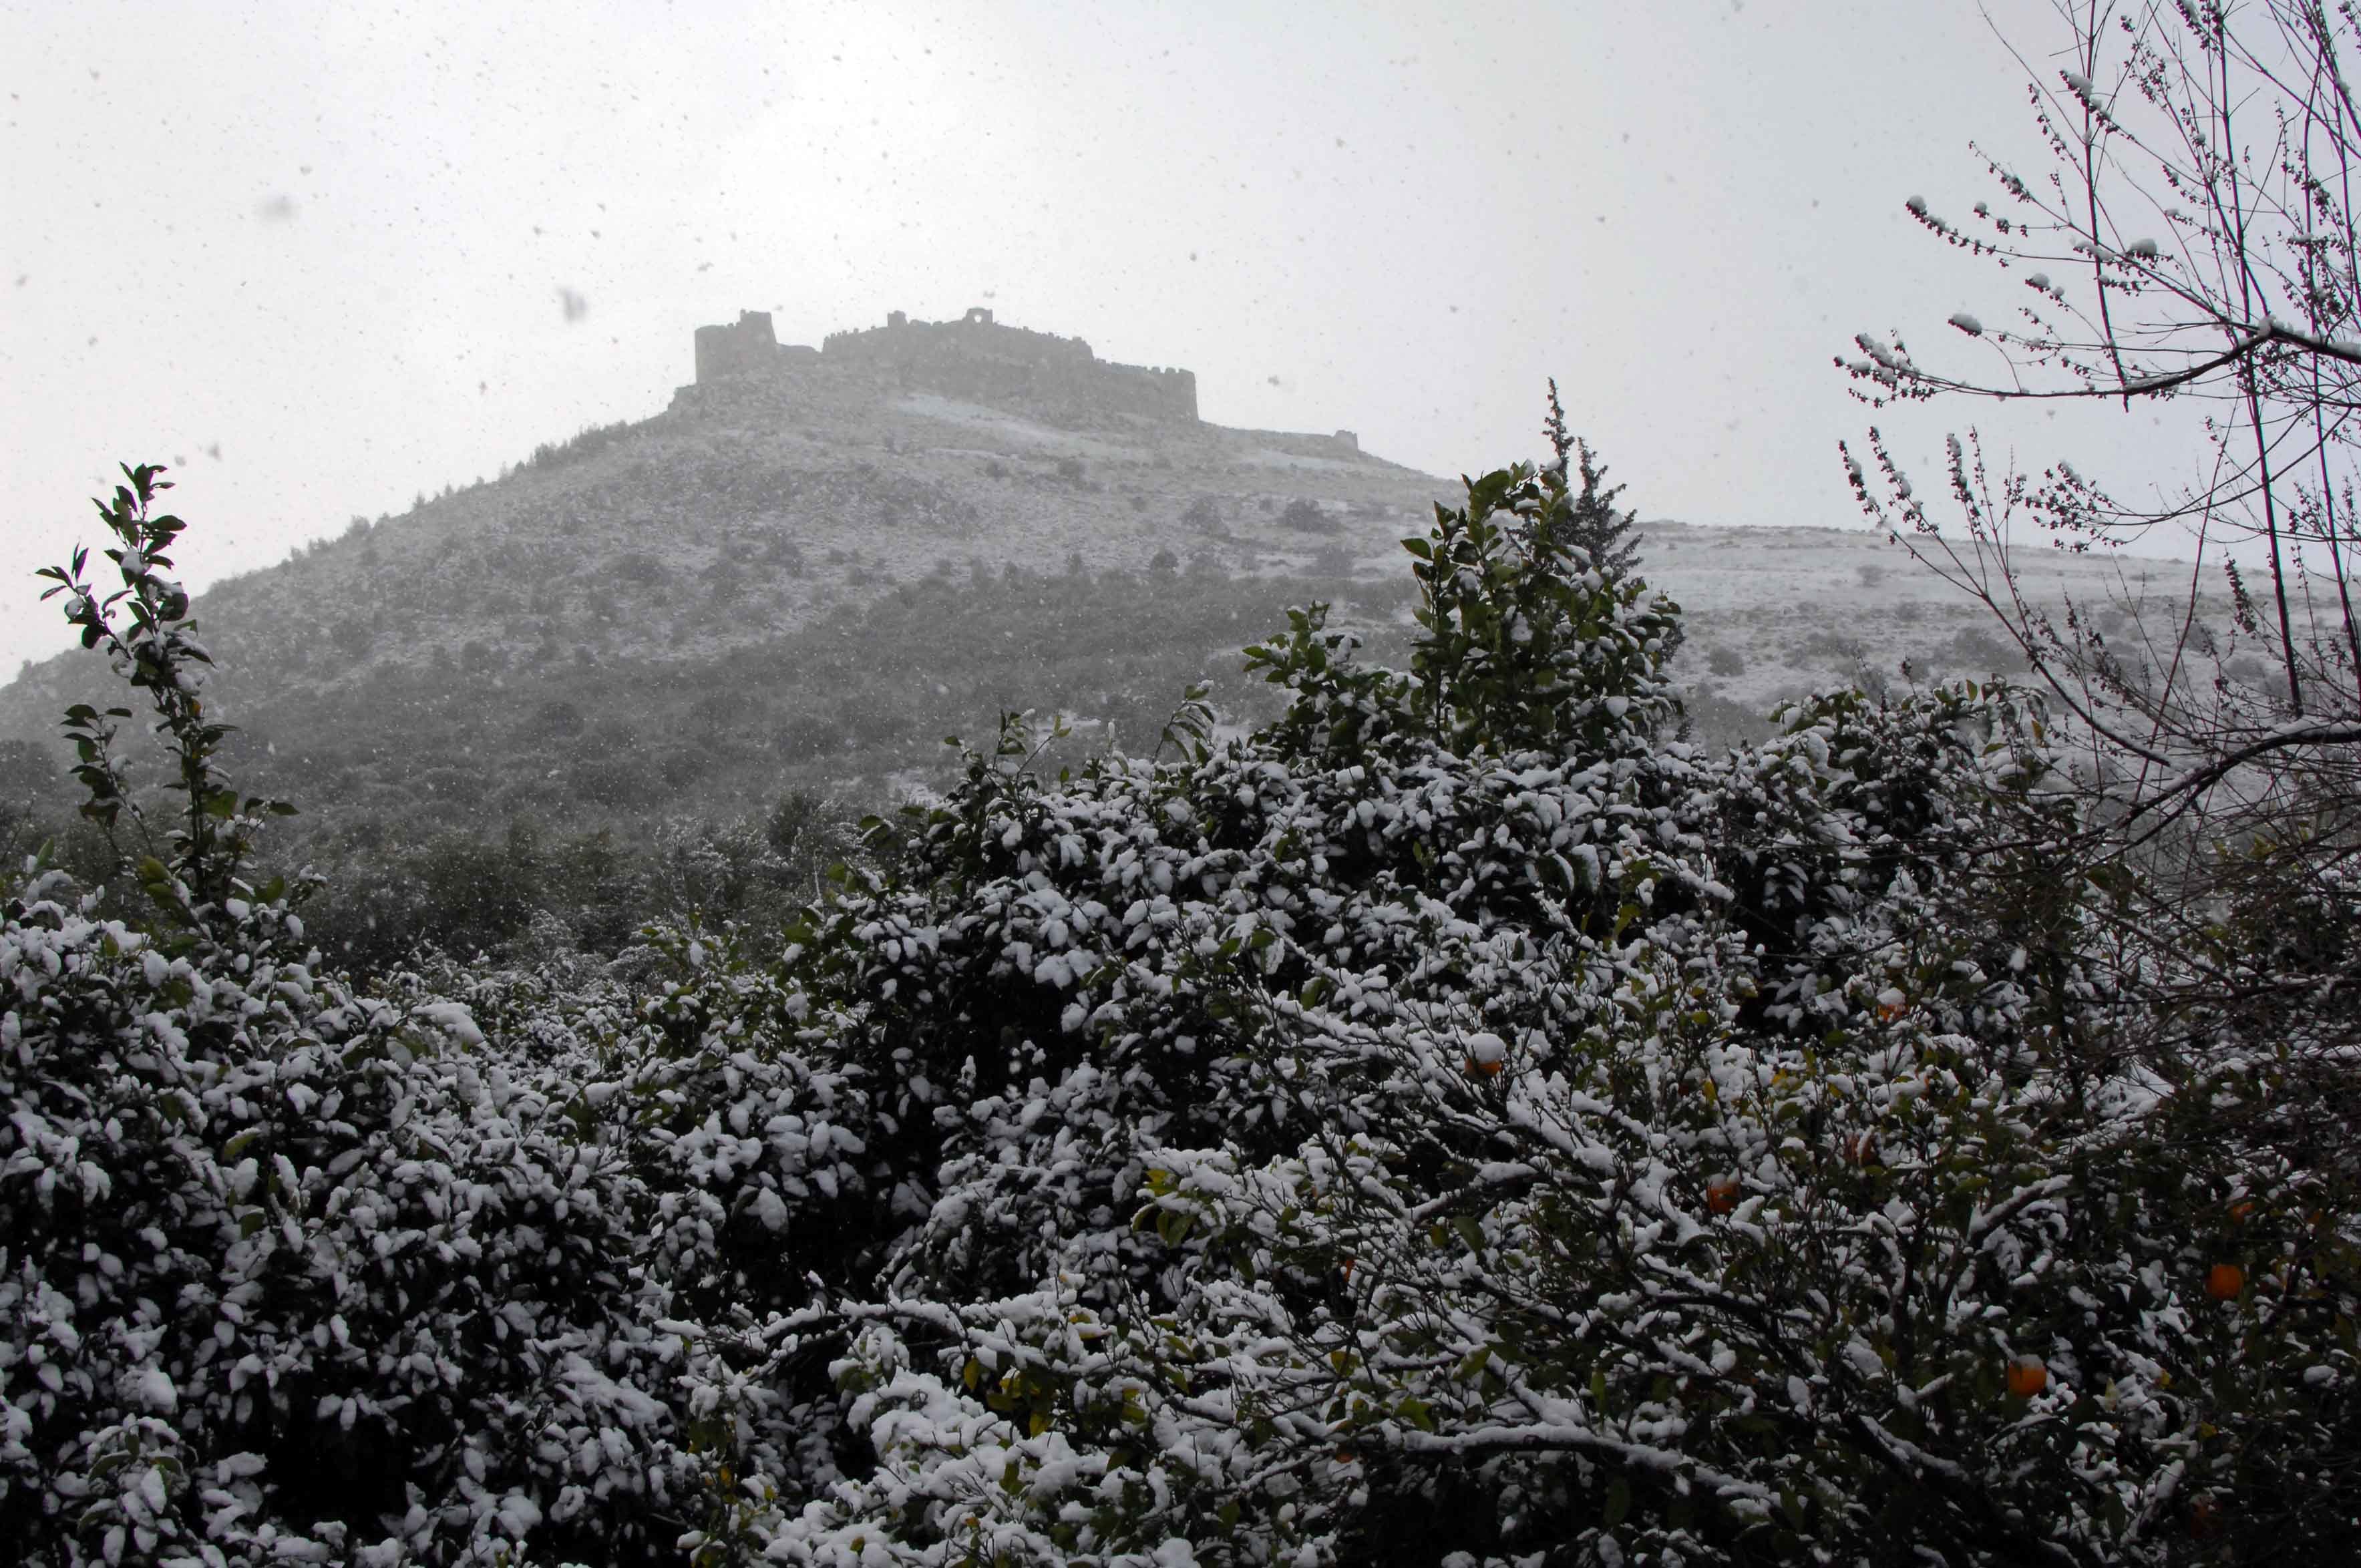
(1145, 786)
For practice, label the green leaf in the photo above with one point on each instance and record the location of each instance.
(1618, 1502)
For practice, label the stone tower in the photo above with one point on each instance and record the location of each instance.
(748, 346)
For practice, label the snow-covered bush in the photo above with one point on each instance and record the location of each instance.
(366, 1276)
(1453, 1124)
(1453, 1121)
(290, 1272)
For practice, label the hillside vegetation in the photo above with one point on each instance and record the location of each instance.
(524, 713)
(732, 556)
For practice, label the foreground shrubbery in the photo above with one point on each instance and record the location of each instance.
(1455, 1118)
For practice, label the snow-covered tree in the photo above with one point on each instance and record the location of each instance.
(1544, 1144)
(1592, 522)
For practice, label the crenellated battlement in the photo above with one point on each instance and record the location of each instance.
(974, 358)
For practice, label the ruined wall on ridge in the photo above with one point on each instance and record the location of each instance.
(974, 358)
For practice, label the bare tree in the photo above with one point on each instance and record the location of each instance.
(2192, 240)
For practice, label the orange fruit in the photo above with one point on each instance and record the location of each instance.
(2225, 1281)
(1721, 1194)
(2027, 1376)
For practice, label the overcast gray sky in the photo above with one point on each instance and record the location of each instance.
(316, 253)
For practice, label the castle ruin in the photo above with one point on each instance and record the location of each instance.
(973, 359)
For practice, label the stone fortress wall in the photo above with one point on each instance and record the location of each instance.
(974, 358)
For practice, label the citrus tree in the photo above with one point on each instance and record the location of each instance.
(1456, 1121)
